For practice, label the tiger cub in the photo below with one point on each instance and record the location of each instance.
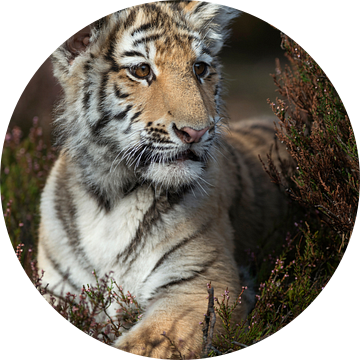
(147, 185)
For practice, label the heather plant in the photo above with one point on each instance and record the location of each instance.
(317, 132)
(322, 184)
(25, 163)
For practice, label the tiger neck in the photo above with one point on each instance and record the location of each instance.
(107, 186)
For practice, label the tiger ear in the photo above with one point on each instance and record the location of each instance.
(212, 21)
(78, 43)
(64, 56)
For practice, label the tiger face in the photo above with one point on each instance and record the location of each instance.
(171, 96)
(144, 85)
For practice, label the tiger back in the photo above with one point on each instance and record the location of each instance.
(147, 185)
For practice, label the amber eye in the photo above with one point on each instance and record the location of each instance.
(141, 71)
(200, 69)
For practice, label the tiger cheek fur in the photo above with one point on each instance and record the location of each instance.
(140, 187)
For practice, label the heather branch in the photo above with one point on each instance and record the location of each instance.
(209, 324)
(318, 136)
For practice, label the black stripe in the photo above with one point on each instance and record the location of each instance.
(200, 7)
(206, 50)
(87, 66)
(177, 282)
(102, 91)
(196, 274)
(129, 78)
(153, 7)
(109, 56)
(102, 122)
(153, 215)
(87, 93)
(118, 93)
(143, 27)
(147, 39)
(102, 200)
(56, 266)
(132, 53)
(217, 90)
(135, 116)
(176, 247)
(130, 19)
(66, 212)
(123, 113)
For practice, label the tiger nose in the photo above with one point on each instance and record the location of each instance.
(188, 135)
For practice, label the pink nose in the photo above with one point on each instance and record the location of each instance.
(189, 135)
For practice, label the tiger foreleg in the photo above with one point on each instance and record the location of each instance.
(170, 326)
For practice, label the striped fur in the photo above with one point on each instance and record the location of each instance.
(128, 195)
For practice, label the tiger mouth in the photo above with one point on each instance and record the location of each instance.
(180, 157)
(186, 155)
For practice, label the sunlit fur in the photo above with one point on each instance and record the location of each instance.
(129, 195)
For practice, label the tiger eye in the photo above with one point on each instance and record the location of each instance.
(200, 68)
(142, 70)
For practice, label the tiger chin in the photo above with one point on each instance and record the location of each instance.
(147, 184)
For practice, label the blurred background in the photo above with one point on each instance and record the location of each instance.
(248, 59)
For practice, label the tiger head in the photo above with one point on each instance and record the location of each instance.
(142, 93)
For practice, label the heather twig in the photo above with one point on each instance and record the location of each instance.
(209, 324)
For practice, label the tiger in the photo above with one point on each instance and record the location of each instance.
(149, 183)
